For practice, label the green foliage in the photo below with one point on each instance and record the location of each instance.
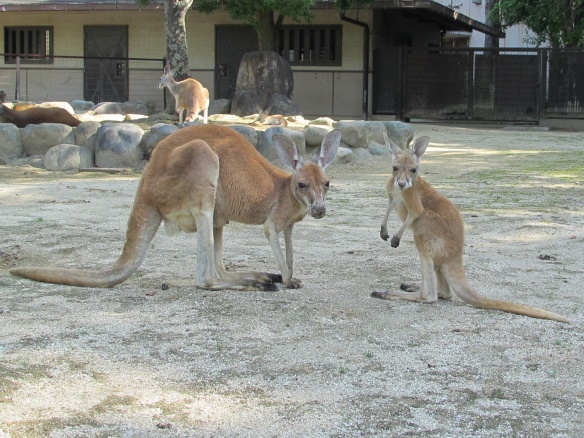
(561, 22)
(246, 10)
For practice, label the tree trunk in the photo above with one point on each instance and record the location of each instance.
(177, 52)
(490, 41)
(266, 30)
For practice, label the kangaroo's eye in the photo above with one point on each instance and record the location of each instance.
(302, 185)
(414, 170)
(327, 184)
(395, 168)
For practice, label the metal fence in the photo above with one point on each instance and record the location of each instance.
(67, 78)
(491, 84)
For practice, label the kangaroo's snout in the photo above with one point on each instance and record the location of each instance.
(318, 211)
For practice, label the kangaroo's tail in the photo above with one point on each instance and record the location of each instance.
(456, 277)
(142, 227)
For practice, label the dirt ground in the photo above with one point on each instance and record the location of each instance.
(327, 360)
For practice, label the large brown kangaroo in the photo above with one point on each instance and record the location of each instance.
(200, 178)
(37, 115)
(439, 237)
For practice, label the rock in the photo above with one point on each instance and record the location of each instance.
(159, 132)
(359, 134)
(38, 139)
(280, 104)
(85, 135)
(107, 108)
(81, 105)
(315, 134)
(34, 161)
(10, 143)
(220, 106)
(323, 121)
(245, 103)
(399, 132)
(266, 145)
(261, 75)
(344, 156)
(249, 133)
(133, 108)
(118, 145)
(67, 157)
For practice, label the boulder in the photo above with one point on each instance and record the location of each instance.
(220, 106)
(107, 108)
(10, 143)
(133, 108)
(359, 134)
(38, 139)
(314, 134)
(266, 145)
(159, 132)
(85, 134)
(280, 104)
(245, 103)
(67, 157)
(34, 161)
(264, 72)
(81, 105)
(399, 132)
(118, 145)
(249, 133)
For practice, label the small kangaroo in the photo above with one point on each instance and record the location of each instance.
(188, 94)
(264, 118)
(439, 237)
(37, 115)
(197, 180)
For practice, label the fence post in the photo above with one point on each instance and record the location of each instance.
(542, 80)
(17, 80)
(470, 84)
(399, 101)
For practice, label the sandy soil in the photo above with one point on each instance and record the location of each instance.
(322, 361)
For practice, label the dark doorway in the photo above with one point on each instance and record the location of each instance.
(106, 63)
(231, 43)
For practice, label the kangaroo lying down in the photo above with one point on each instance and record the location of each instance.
(439, 236)
(197, 180)
(37, 115)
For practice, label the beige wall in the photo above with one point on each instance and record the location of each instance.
(318, 90)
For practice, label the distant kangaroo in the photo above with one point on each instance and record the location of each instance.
(189, 95)
(439, 236)
(37, 115)
(264, 118)
(197, 180)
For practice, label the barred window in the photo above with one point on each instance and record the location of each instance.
(311, 45)
(32, 44)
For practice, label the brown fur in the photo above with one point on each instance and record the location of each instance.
(188, 94)
(199, 179)
(439, 237)
(264, 118)
(37, 115)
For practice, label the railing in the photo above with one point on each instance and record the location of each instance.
(492, 84)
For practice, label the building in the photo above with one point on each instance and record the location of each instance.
(344, 66)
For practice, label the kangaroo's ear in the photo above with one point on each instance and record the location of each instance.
(173, 71)
(166, 68)
(394, 149)
(287, 151)
(328, 149)
(420, 145)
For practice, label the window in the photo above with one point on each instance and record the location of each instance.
(33, 44)
(452, 40)
(311, 45)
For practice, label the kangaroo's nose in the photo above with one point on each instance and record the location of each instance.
(318, 211)
(401, 183)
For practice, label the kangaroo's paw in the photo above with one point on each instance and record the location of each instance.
(294, 283)
(409, 287)
(274, 278)
(395, 241)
